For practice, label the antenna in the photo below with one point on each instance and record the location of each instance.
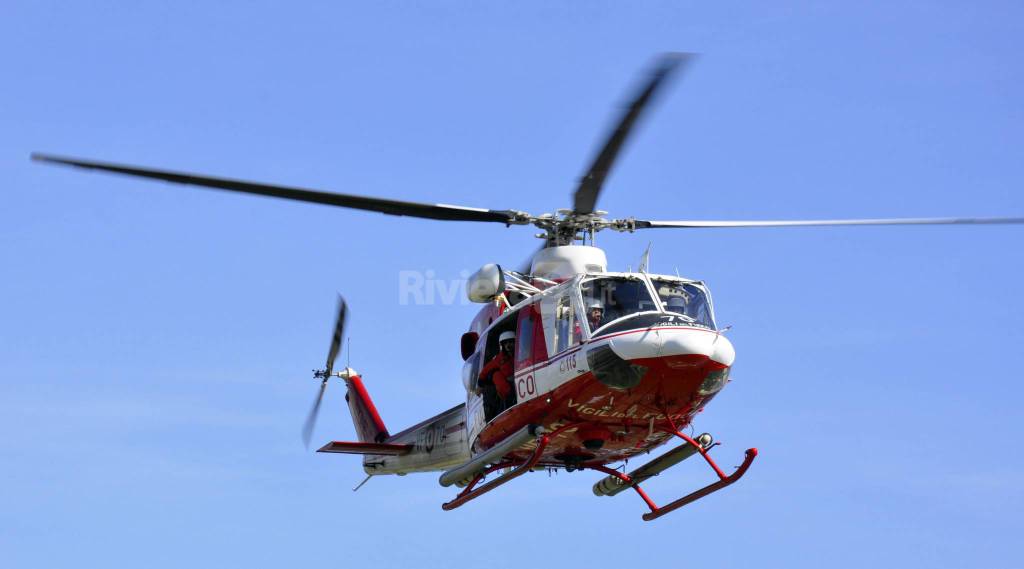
(645, 259)
(365, 480)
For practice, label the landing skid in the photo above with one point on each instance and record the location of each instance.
(471, 491)
(658, 511)
(519, 468)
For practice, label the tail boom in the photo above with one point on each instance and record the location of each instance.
(436, 443)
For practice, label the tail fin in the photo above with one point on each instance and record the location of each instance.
(369, 426)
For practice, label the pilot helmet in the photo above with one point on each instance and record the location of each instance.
(676, 303)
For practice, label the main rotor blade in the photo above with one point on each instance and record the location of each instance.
(339, 335)
(390, 207)
(585, 198)
(314, 412)
(640, 224)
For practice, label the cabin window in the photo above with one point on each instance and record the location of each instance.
(567, 331)
(524, 340)
(530, 347)
(689, 299)
(610, 298)
(470, 371)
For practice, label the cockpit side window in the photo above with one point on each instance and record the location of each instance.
(567, 330)
(610, 298)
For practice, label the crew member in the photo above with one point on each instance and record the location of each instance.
(676, 304)
(498, 374)
(595, 313)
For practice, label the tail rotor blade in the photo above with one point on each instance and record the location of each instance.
(325, 374)
(314, 412)
(339, 334)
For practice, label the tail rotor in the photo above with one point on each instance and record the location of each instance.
(325, 374)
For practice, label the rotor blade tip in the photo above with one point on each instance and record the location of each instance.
(672, 61)
(50, 159)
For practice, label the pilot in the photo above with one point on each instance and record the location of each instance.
(595, 313)
(499, 373)
(676, 304)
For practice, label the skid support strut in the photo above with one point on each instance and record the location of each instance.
(471, 491)
(723, 479)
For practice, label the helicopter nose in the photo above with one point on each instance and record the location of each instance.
(621, 361)
(711, 345)
(667, 342)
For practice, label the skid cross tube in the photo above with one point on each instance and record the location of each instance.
(471, 492)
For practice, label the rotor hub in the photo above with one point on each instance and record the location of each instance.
(566, 227)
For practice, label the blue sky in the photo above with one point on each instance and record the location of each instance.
(156, 341)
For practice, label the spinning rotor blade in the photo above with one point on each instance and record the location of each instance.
(527, 265)
(332, 354)
(585, 198)
(314, 412)
(390, 207)
(339, 334)
(641, 224)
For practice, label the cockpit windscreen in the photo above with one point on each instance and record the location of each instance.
(610, 298)
(688, 299)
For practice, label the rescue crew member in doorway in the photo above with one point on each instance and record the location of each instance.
(499, 373)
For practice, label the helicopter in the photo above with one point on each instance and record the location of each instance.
(596, 367)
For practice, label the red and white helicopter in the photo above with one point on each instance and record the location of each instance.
(605, 366)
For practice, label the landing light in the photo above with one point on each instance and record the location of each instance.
(714, 382)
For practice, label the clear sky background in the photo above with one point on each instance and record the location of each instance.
(156, 340)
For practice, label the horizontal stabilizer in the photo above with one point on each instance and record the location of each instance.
(365, 448)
